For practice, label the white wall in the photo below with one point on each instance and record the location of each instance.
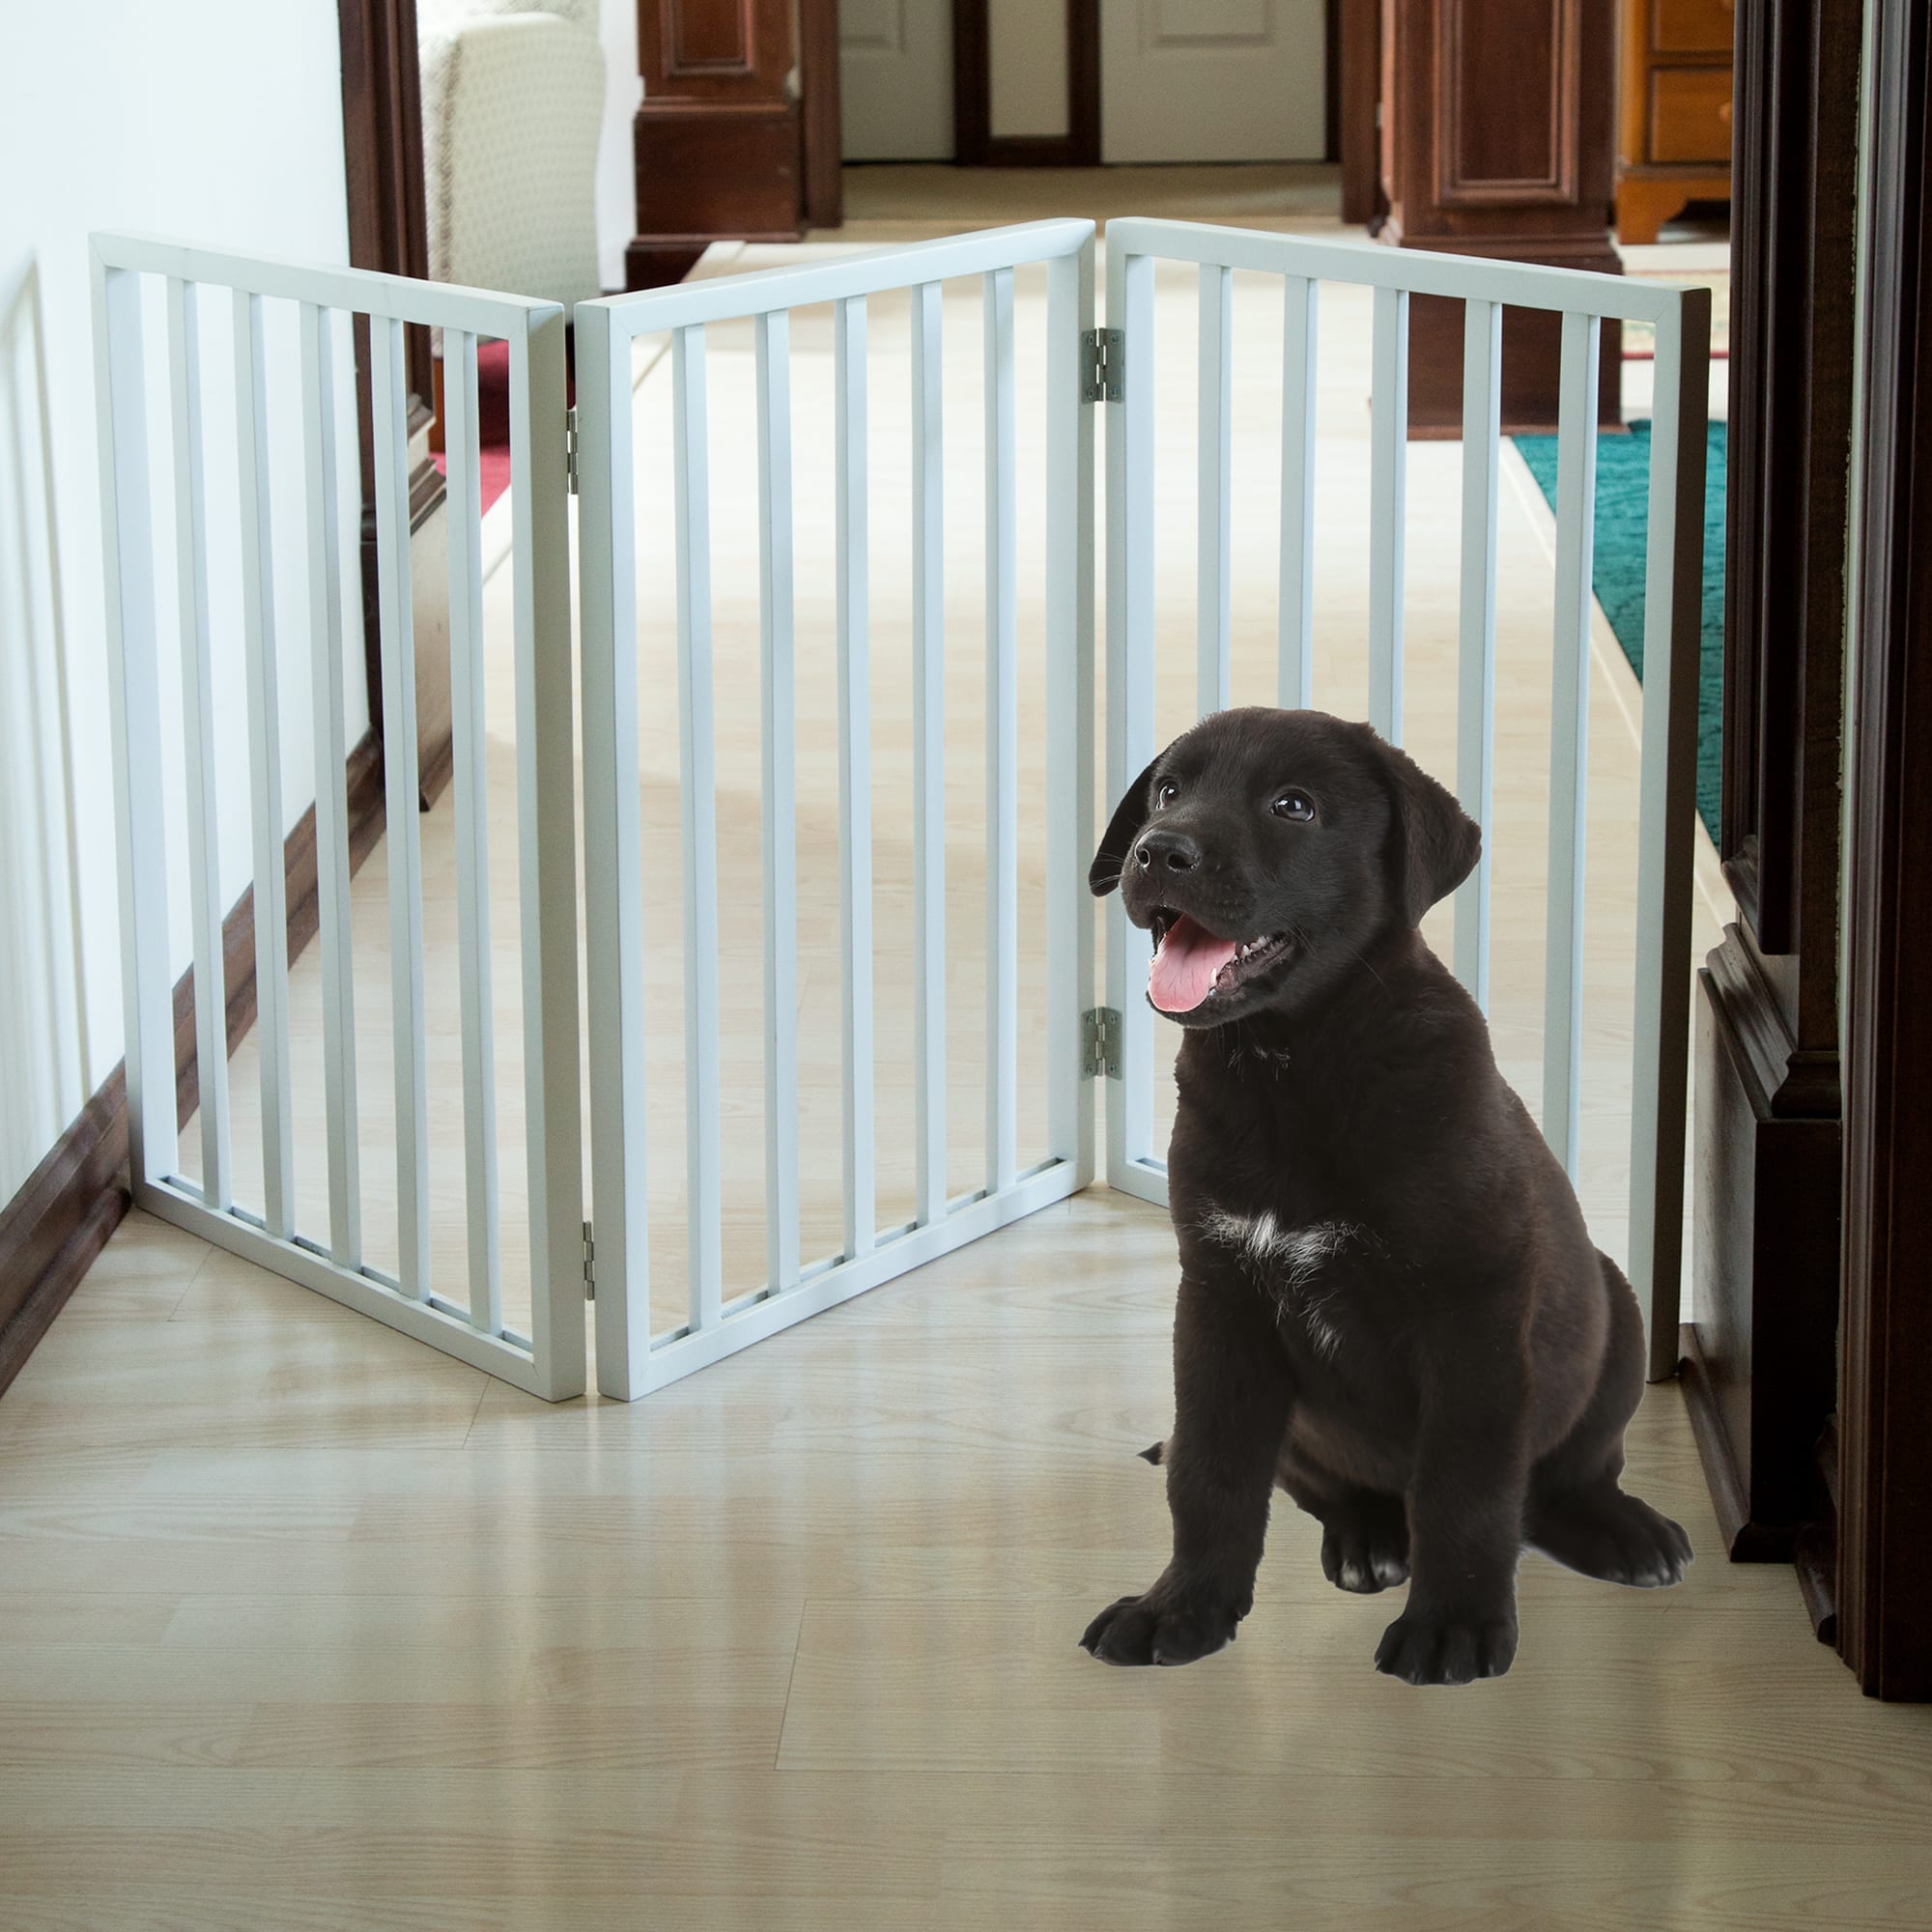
(221, 121)
(616, 177)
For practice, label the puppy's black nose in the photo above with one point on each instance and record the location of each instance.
(1174, 849)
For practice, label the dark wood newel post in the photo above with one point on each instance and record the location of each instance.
(1759, 1360)
(1495, 140)
(720, 136)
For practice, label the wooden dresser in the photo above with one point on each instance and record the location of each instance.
(1674, 113)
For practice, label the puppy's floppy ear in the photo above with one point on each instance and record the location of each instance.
(1118, 841)
(1436, 842)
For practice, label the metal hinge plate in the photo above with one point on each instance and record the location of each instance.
(570, 447)
(589, 1264)
(1101, 1042)
(1104, 365)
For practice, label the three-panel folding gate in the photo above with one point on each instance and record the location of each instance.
(150, 348)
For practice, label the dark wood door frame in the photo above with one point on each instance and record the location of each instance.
(975, 145)
(1884, 1568)
(818, 81)
(389, 229)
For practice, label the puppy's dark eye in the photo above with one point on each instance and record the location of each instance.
(1165, 794)
(1293, 805)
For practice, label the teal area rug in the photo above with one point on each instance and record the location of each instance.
(1623, 506)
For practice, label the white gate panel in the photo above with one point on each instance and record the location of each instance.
(331, 1259)
(1660, 959)
(632, 1359)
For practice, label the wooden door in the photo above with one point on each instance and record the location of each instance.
(1213, 80)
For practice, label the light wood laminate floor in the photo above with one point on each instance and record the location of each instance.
(303, 1626)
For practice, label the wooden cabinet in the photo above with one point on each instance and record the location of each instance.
(1674, 117)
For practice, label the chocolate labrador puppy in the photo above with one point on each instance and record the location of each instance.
(1389, 1303)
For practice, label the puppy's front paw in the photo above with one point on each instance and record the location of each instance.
(1423, 1649)
(1165, 1626)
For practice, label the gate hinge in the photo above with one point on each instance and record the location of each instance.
(589, 1265)
(1104, 365)
(1101, 1042)
(570, 447)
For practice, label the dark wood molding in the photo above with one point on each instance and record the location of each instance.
(818, 83)
(1884, 1518)
(975, 145)
(55, 1226)
(1759, 1363)
(1770, 1142)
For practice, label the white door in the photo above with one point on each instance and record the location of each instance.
(1212, 80)
(895, 79)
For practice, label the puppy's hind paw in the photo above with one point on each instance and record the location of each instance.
(1617, 1538)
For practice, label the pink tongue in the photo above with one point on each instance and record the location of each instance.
(1184, 969)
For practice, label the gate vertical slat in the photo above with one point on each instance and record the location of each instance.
(472, 778)
(853, 621)
(1002, 739)
(1476, 661)
(1215, 454)
(698, 807)
(1131, 668)
(1388, 466)
(134, 708)
(928, 731)
(1672, 634)
(546, 880)
(777, 719)
(264, 764)
(1069, 711)
(321, 524)
(1569, 739)
(197, 673)
(1296, 688)
(404, 834)
(613, 901)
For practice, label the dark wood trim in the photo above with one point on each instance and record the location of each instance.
(55, 1226)
(1358, 89)
(1884, 1493)
(974, 142)
(972, 83)
(818, 81)
(1083, 82)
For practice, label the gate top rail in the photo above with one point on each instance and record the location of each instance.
(390, 298)
(876, 271)
(1420, 271)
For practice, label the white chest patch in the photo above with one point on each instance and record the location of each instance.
(1292, 1259)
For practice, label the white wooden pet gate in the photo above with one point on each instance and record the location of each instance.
(1088, 370)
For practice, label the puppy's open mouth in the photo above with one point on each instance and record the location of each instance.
(1191, 964)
